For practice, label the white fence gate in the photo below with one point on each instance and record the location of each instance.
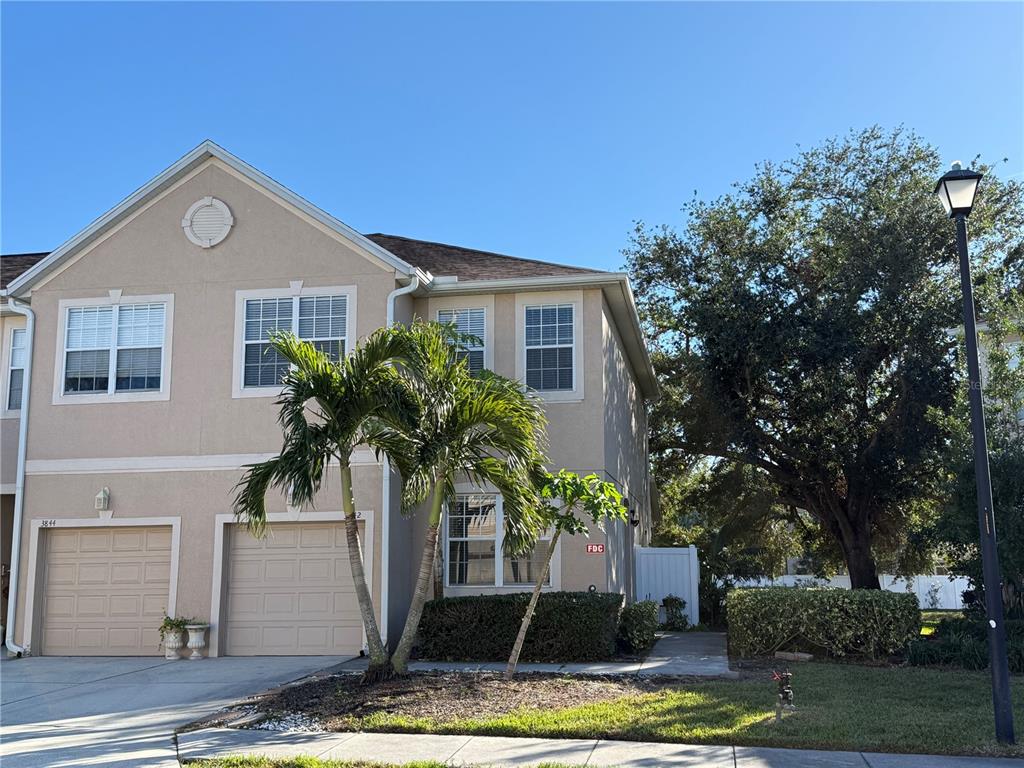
(662, 571)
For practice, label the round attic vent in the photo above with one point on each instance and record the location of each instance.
(207, 222)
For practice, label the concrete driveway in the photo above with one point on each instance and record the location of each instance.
(122, 712)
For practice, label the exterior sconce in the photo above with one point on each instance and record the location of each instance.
(631, 513)
(103, 500)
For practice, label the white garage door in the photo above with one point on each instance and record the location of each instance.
(105, 590)
(291, 593)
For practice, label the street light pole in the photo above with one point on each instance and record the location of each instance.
(956, 191)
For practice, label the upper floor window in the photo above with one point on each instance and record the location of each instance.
(16, 369)
(550, 352)
(322, 320)
(318, 315)
(471, 322)
(114, 348)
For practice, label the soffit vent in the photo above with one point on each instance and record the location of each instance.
(207, 222)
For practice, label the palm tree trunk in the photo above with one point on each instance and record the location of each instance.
(400, 660)
(517, 648)
(379, 666)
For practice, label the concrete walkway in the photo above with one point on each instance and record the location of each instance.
(692, 654)
(400, 748)
(120, 711)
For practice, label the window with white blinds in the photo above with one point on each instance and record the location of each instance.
(550, 350)
(321, 320)
(470, 322)
(16, 369)
(114, 348)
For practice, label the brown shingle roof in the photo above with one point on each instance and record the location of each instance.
(12, 265)
(468, 263)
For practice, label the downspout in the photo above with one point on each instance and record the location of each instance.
(385, 496)
(19, 481)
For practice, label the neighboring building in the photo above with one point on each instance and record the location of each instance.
(149, 381)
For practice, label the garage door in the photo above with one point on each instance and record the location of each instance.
(105, 590)
(291, 593)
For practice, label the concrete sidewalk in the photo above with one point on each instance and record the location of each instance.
(685, 654)
(400, 748)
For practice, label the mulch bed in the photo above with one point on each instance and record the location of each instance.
(338, 700)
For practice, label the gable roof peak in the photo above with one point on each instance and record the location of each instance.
(172, 174)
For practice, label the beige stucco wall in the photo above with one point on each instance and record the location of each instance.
(269, 246)
(194, 497)
(576, 429)
(625, 426)
(626, 458)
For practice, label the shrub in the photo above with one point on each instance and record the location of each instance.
(840, 622)
(566, 626)
(637, 626)
(978, 629)
(675, 619)
(963, 643)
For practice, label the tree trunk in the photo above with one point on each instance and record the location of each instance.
(379, 662)
(439, 558)
(855, 540)
(517, 648)
(852, 531)
(400, 659)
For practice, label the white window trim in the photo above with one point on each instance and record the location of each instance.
(295, 290)
(523, 300)
(114, 299)
(5, 366)
(555, 569)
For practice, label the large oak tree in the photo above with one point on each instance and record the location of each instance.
(801, 327)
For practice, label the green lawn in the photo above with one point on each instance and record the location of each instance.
(840, 706)
(931, 619)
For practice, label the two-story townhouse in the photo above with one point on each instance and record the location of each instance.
(137, 385)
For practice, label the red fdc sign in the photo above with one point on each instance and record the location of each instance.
(595, 549)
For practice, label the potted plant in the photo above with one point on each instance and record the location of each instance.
(172, 631)
(196, 637)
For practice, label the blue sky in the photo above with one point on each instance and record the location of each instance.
(541, 130)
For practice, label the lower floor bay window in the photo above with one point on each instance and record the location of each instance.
(473, 551)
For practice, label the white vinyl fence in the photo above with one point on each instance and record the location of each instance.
(662, 571)
(933, 592)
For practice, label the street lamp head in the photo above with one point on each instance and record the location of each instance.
(956, 190)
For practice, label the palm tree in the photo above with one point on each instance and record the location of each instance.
(601, 501)
(327, 408)
(484, 428)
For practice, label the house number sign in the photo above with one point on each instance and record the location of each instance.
(595, 549)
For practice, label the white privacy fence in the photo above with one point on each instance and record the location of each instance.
(935, 592)
(662, 571)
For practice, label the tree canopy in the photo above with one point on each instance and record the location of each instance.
(802, 329)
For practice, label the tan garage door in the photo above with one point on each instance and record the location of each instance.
(105, 590)
(291, 593)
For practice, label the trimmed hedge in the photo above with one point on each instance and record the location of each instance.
(637, 626)
(566, 626)
(839, 622)
(963, 643)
